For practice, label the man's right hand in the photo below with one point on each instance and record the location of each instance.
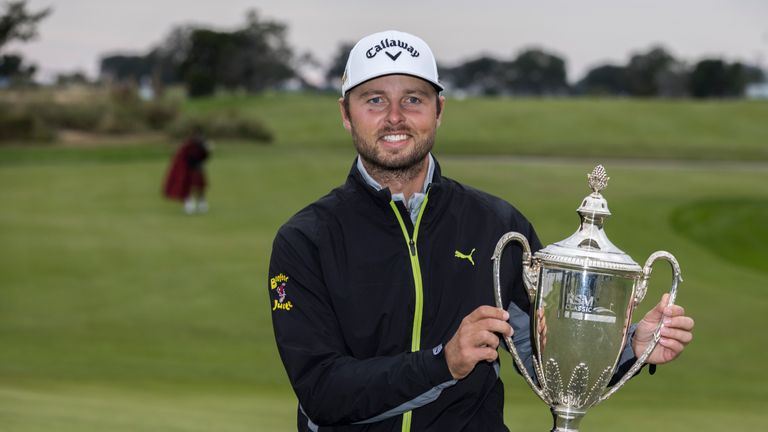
(476, 340)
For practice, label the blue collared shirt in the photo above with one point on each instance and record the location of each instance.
(414, 204)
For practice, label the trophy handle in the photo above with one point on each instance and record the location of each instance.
(639, 295)
(530, 277)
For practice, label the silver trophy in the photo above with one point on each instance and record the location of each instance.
(583, 291)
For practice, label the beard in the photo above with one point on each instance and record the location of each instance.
(403, 166)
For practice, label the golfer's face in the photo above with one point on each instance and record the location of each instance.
(393, 120)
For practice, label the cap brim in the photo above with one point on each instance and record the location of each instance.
(439, 87)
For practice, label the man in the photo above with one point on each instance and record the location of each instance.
(381, 290)
(186, 180)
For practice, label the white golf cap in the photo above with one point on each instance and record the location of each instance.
(387, 53)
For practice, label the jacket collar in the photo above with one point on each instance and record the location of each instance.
(372, 182)
(356, 179)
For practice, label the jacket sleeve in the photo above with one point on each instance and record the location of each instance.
(332, 387)
(627, 359)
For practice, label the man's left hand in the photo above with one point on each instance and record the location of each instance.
(676, 333)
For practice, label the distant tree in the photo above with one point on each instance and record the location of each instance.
(121, 67)
(265, 59)
(253, 58)
(335, 71)
(536, 72)
(19, 24)
(604, 80)
(12, 68)
(672, 82)
(740, 76)
(160, 66)
(306, 65)
(483, 75)
(203, 68)
(77, 77)
(753, 74)
(167, 57)
(646, 69)
(717, 78)
(16, 23)
(708, 79)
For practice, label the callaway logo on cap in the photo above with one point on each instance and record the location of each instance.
(386, 53)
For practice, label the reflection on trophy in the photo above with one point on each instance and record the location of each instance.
(583, 291)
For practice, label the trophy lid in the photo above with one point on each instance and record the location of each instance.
(589, 247)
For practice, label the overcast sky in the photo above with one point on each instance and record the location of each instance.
(584, 32)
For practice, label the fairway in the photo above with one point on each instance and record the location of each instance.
(573, 127)
(120, 313)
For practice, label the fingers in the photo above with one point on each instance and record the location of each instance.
(683, 336)
(674, 348)
(476, 340)
(489, 318)
(679, 322)
(483, 333)
(677, 331)
(674, 340)
(494, 326)
(484, 312)
(663, 311)
(673, 311)
(487, 354)
(657, 313)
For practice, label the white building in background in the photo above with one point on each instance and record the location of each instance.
(757, 91)
(146, 90)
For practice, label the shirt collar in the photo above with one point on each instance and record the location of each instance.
(374, 184)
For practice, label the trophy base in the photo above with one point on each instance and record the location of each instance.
(566, 419)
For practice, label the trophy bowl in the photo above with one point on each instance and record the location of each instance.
(583, 291)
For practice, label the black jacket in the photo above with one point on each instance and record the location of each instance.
(363, 301)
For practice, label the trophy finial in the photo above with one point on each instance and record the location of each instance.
(598, 180)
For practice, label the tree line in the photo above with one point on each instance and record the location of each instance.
(257, 56)
(253, 58)
(17, 24)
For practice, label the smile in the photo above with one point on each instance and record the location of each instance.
(395, 138)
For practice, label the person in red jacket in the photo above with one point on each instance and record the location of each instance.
(186, 180)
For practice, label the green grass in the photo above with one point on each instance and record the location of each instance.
(15, 155)
(625, 128)
(734, 229)
(119, 313)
